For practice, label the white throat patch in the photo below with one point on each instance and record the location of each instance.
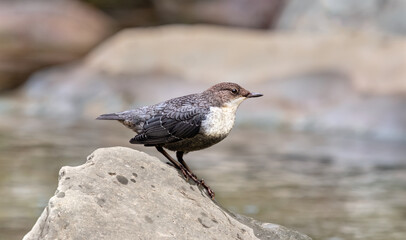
(220, 120)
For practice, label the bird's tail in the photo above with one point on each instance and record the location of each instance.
(110, 116)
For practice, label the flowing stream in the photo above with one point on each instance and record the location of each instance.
(329, 187)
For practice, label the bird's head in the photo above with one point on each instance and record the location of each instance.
(229, 94)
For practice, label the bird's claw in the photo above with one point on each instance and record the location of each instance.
(210, 192)
(208, 189)
(201, 182)
(187, 174)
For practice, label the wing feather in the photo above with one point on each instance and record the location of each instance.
(171, 127)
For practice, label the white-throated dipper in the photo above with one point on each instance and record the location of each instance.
(184, 124)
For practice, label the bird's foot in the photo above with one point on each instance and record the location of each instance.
(189, 175)
(208, 189)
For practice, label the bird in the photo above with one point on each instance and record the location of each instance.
(185, 124)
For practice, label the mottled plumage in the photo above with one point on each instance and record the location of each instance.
(186, 123)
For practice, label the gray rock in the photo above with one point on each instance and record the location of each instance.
(120, 193)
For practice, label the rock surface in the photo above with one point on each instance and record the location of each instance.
(120, 193)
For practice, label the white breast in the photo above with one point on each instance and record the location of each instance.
(220, 120)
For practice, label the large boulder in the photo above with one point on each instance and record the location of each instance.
(120, 193)
(37, 33)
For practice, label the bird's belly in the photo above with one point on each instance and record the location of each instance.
(193, 144)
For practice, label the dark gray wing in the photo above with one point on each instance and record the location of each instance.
(169, 127)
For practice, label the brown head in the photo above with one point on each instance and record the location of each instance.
(227, 93)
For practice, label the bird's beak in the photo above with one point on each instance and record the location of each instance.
(253, 95)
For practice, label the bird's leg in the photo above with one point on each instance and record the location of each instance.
(173, 161)
(181, 165)
(179, 156)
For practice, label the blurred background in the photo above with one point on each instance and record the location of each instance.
(323, 152)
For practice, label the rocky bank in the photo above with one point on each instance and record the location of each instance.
(120, 193)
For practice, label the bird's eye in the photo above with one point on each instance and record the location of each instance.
(234, 91)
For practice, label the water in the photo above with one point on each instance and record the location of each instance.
(329, 187)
